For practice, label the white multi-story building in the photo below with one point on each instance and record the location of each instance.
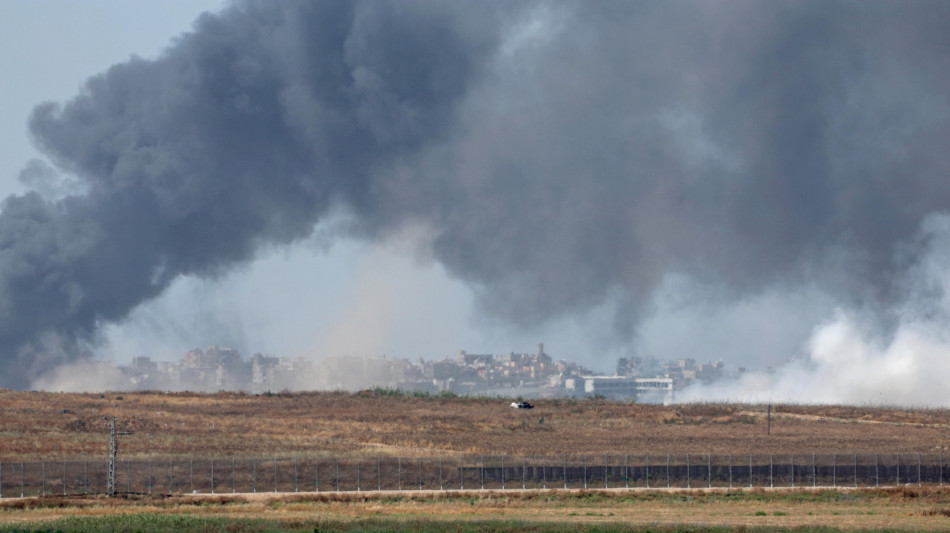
(614, 387)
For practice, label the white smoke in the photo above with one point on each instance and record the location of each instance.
(850, 361)
(83, 376)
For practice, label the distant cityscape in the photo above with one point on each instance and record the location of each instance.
(530, 375)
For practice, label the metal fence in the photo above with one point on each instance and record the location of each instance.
(308, 474)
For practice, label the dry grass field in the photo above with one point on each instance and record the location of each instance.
(50, 426)
(381, 423)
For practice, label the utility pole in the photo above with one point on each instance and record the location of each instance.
(113, 444)
(113, 449)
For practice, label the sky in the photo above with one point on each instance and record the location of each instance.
(757, 183)
(51, 48)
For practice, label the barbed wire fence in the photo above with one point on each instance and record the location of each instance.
(222, 475)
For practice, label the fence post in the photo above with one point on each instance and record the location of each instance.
(357, 475)
(814, 475)
(771, 482)
(793, 471)
(687, 472)
(855, 470)
(502, 472)
(544, 474)
(461, 475)
(834, 470)
(64, 478)
(128, 476)
(482, 472)
(21, 479)
(898, 470)
(296, 483)
(523, 468)
(1, 480)
(605, 470)
(316, 474)
(275, 474)
(43, 475)
(585, 471)
(730, 470)
(399, 472)
(379, 481)
(648, 470)
(750, 470)
(232, 474)
(254, 473)
(918, 469)
(149, 475)
(212, 475)
(441, 486)
(191, 463)
(338, 474)
(667, 470)
(709, 469)
(171, 484)
(420, 473)
(940, 458)
(565, 471)
(626, 473)
(85, 478)
(877, 473)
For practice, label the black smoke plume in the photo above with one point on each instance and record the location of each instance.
(565, 154)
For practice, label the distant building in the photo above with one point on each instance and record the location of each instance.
(526, 374)
(212, 357)
(262, 369)
(655, 390)
(143, 364)
(473, 359)
(613, 387)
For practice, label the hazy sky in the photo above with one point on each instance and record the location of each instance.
(722, 180)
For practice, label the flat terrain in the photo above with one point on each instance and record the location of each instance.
(384, 423)
(50, 426)
(895, 509)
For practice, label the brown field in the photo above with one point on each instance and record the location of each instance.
(49, 426)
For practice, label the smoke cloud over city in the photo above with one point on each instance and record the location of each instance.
(558, 157)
